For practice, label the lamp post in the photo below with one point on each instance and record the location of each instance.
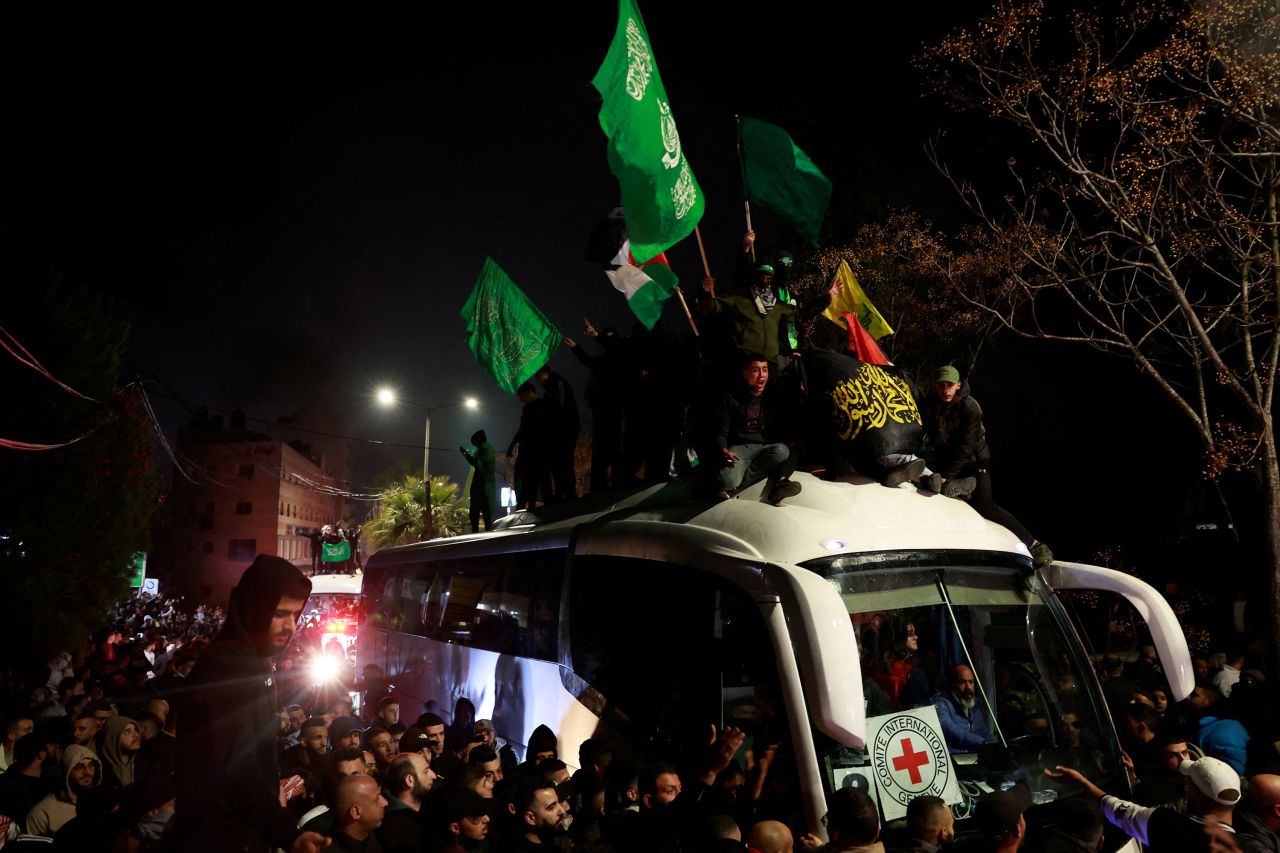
(387, 397)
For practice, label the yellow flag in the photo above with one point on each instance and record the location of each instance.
(848, 296)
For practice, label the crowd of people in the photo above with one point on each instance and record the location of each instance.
(168, 731)
(768, 386)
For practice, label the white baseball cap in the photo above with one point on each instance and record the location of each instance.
(1215, 779)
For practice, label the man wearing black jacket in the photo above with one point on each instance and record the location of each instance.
(229, 773)
(953, 426)
(742, 455)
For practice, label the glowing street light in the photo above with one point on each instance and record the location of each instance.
(387, 397)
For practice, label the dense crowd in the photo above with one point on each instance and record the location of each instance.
(768, 386)
(95, 761)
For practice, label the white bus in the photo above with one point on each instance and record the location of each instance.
(645, 619)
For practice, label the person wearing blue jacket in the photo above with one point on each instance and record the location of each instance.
(964, 723)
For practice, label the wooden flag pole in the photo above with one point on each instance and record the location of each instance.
(742, 165)
(747, 205)
(687, 315)
(702, 250)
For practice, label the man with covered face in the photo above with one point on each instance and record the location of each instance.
(229, 781)
(963, 721)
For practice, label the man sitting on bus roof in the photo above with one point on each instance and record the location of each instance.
(963, 721)
(744, 456)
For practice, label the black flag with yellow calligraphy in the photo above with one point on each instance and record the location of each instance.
(866, 411)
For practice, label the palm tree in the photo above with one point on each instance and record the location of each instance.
(397, 517)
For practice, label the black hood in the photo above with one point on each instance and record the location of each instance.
(254, 600)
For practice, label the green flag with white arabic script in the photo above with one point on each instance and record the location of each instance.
(335, 552)
(506, 332)
(661, 200)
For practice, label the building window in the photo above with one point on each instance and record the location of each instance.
(242, 549)
(206, 548)
(244, 508)
(282, 509)
(245, 471)
(206, 522)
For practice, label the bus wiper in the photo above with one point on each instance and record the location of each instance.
(946, 600)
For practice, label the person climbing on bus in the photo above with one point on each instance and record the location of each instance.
(954, 430)
(743, 455)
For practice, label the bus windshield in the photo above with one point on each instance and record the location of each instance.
(990, 651)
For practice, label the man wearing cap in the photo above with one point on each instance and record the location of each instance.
(756, 315)
(345, 732)
(999, 817)
(462, 821)
(1213, 790)
(229, 776)
(953, 426)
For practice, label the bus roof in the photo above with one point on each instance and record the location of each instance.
(336, 584)
(827, 519)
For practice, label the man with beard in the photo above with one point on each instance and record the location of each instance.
(82, 771)
(409, 780)
(540, 816)
(313, 744)
(229, 778)
(963, 722)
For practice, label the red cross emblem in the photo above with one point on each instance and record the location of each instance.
(910, 760)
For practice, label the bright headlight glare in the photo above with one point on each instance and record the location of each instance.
(325, 669)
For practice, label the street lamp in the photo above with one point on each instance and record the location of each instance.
(387, 397)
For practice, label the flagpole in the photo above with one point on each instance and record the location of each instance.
(702, 250)
(742, 167)
(687, 315)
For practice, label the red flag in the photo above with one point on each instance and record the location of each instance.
(861, 344)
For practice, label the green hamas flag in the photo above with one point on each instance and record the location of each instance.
(778, 175)
(661, 199)
(506, 332)
(335, 552)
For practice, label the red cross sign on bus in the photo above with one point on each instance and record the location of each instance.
(909, 757)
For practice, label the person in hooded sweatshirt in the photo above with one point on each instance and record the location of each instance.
(81, 771)
(229, 772)
(119, 744)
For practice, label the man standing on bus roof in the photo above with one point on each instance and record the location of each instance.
(482, 481)
(742, 419)
(229, 777)
(533, 471)
(963, 721)
(953, 426)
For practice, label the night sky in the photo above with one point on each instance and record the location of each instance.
(294, 210)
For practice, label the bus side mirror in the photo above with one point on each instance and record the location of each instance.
(827, 653)
(1166, 633)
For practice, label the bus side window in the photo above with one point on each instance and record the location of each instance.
(508, 604)
(671, 650)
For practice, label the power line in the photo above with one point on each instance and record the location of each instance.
(182, 463)
(34, 363)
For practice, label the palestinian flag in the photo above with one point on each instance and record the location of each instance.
(646, 285)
